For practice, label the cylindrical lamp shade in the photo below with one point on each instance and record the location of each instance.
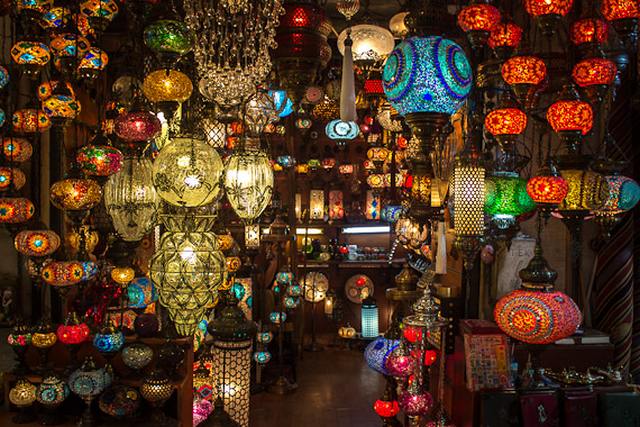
(252, 236)
(131, 199)
(232, 375)
(468, 194)
(373, 205)
(248, 183)
(15, 210)
(506, 198)
(588, 190)
(316, 205)
(427, 74)
(37, 243)
(369, 317)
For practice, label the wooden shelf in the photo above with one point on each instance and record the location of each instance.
(371, 264)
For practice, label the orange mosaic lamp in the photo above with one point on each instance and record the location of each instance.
(30, 121)
(623, 16)
(548, 189)
(548, 13)
(477, 20)
(595, 75)
(589, 31)
(37, 243)
(504, 38)
(570, 117)
(15, 210)
(505, 124)
(525, 74)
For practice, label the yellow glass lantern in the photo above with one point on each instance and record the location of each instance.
(187, 172)
(469, 197)
(46, 89)
(85, 235)
(123, 275)
(588, 191)
(248, 182)
(167, 86)
(233, 264)
(99, 12)
(30, 56)
(225, 241)
(67, 49)
(44, 340)
(75, 194)
(36, 243)
(316, 205)
(23, 394)
(252, 236)
(62, 108)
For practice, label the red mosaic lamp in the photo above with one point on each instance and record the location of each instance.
(548, 189)
(388, 407)
(595, 75)
(570, 117)
(525, 74)
(505, 124)
(477, 20)
(623, 16)
(504, 38)
(536, 313)
(589, 31)
(73, 332)
(548, 13)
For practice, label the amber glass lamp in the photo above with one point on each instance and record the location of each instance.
(570, 118)
(15, 210)
(477, 20)
(30, 121)
(156, 389)
(75, 194)
(16, 149)
(248, 182)
(548, 12)
(167, 88)
(99, 12)
(505, 124)
(22, 395)
(595, 75)
(547, 189)
(92, 63)
(37, 243)
(589, 31)
(31, 56)
(623, 15)
(504, 38)
(524, 74)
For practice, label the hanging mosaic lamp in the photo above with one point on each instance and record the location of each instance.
(15, 210)
(589, 32)
(11, 178)
(506, 198)
(131, 199)
(505, 124)
(623, 195)
(478, 20)
(169, 40)
(61, 107)
(99, 12)
(547, 189)
(67, 50)
(99, 160)
(187, 172)
(16, 149)
(73, 332)
(167, 88)
(92, 63)
(623, 16)
(61, 274)
(36, 243)
(338, 130)
(30, 121)
(504, 38)
(588, 191)
(536, 313)
(525, 75)
(137, 125)
(570, 118)
(548, 13)
(248, 183)
(75, 194)
(259, 111)
(31, 57)
(595, 75)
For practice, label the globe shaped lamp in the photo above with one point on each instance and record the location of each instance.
(51, 393)
(169, 40)
(377, 352)
(548, 12)
(507, 198)
(138, 125)
(248, 183)
(505, 124)
(137, 356)
(19, 339)
(75, 194)
(371, 43)
(525, 75)
(623, 16)
(547, 189)
(15, 210)
(99, 160)
(31, 57)
(16, 149)
(426, 79)
(414, 401)
(478, 20)
(30, 121)
(88, 382)
(11, 178)
(589, 32)
(22, 395)
(504, 38)
(67, 49)
(99, 12)
(595, 75)
(187, 172)
(36, 243)
(108, 341)
(156, 389)
(92, 63)
(73, 331)
(623, 195)
(167, 88)
(570, 118)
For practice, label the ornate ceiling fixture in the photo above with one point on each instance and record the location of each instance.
(233, 39)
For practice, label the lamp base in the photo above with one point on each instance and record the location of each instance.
(282, 386)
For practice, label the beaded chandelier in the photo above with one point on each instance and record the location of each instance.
(232, 45)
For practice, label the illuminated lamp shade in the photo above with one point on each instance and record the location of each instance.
(169, 39)
(316, 205)
(248, 183)
(52, 391)
(469, 196)
(99, 160)
(46, 89)
(187, 172)
(122, 275)
(371, 43)
(36, 243)
(375, 180)
(4, 77)
(623, 195)
(506, 121)
(336, 205)
(35, 6)
(108, 340)
(339, 130)
(623, 15)
(67, 49)
(167, 86)
(137, 126)
(589, 31)
(281, 102)
(60, 274)
(99, 12)
(75, 194)
(22, 395)
(477, 20)
(548, 12)
(524, 74)
(141, 292)
(30, 121)
(11, 177)
(369, 318)
(594, 72)
(377, 352)
(506, 198)
(588, 191)
(93, 61)
(15, 210)
(30, 56)
(73, 331)
(547, 189)
(83, 25)
(61, 109)
(131, 199)
(397, 25)
(570, 116)
(386, 408)
(415, 402)
(430, 74)
(373, 87)
(259, 111)
(187, 269)
(373, 206)
(504, 38)
(215, 132)
(55, 18)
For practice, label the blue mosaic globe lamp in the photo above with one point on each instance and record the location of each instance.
(427, 79)
(376, 353)
(88, 382)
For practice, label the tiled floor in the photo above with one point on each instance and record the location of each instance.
(336, 389)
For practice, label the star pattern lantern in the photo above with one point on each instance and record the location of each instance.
(595, 75)
(61, 274)
(36, 243)
(248, 183)
(505, 124)
(623, 16)
(137, 126)
(477, 20)
(92, 63)
(30, 56)
(506, 198)
(16, 149)
(547, 189)
(525, 75)
(15, 210)
(11, 178)
(548, 12)
(167, 88)
(30, 121)
(187, 172)
(99, 160)
(99, 12)
(504, 38)
(589, 31)
(570, 118)
(75, 194)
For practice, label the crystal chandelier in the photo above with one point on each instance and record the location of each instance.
(232, 46)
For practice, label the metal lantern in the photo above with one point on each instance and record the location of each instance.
(131, 199)
(156, 389)
(231, 350)
(248, 182)
(187, 172)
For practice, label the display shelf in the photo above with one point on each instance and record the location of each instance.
(371, 264)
